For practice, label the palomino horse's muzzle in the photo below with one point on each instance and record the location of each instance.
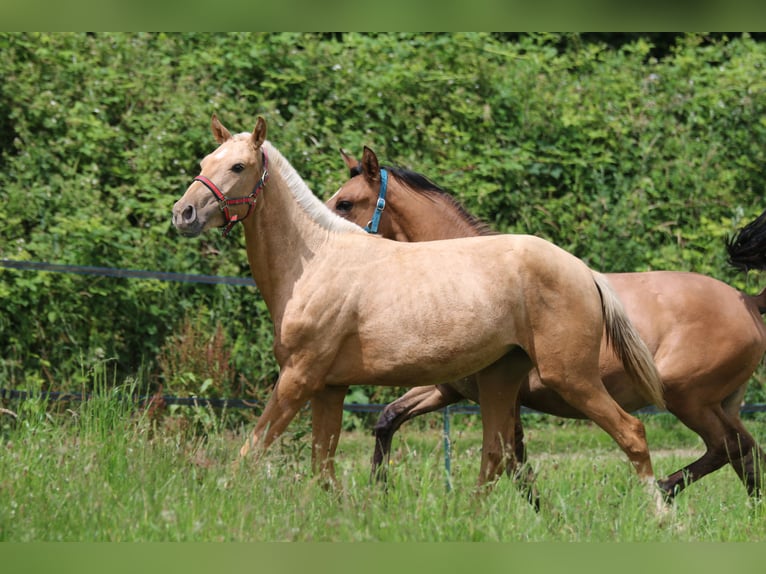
(187, 217)
(186, 220)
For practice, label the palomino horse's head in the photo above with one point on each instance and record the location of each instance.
(362, 199)
(229, 181)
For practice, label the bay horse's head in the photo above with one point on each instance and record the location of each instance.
(362, 198)
(229, 181)
(400, 204)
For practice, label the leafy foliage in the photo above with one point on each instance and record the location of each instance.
(630, 160)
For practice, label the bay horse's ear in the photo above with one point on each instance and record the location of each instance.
(350, 162)
(220, 133)
(259, 133)
(370, 166)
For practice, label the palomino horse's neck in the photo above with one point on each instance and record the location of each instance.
(288, 227)
(429, 215)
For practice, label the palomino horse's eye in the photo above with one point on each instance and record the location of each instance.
(344, 205)
(238, 167)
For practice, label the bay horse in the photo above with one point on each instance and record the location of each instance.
(707, 338)
(351, 309)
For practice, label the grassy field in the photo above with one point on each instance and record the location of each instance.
(104, 472)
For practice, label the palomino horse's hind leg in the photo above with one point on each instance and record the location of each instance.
(581, 386)
(499, 386)
(416, 401)
(626, 430)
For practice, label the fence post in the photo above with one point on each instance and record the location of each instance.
(447, 449)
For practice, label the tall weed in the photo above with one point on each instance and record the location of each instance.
(105, 473)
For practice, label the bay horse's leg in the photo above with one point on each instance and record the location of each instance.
(748, 461)
(415, 402)
(525, 476)
(750, 464)
(326, 419)
(726, 441)
(702, 420)
(499, 386)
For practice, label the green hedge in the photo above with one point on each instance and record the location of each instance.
(629, 161)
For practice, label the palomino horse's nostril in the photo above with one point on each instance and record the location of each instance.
(189, 215)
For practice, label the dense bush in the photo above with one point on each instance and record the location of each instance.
(629, 161)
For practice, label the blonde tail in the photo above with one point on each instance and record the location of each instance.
(624, 339)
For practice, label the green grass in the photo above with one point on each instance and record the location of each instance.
(104, 472)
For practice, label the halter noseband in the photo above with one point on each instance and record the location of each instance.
(224, 202)
(372, 226)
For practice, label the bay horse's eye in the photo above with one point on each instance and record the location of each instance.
(238, 167)
(344, 205)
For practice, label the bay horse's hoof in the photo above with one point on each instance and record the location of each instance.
(669, 489)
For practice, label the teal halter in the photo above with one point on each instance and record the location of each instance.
(372, 226)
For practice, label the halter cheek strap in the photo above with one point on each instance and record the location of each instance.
(372, 226)
(224, 202)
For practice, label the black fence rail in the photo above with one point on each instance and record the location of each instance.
(232, 403)
(202, 401)
(124, 273)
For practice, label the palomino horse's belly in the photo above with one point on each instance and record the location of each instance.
(421, 362)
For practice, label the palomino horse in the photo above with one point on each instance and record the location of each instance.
(707, 338)
(349, 308)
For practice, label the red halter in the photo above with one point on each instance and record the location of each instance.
(224, 202)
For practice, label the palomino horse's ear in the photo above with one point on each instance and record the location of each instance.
(370, 166)
(259, 133)
(220, 133)
(350, 162)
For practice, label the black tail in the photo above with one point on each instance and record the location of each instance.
(747, 248)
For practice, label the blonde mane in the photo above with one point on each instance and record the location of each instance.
(310, 203)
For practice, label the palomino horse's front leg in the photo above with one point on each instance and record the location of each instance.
(326, 419)
(290, 394)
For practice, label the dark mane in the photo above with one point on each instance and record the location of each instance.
(747, 247)
(419, 183)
